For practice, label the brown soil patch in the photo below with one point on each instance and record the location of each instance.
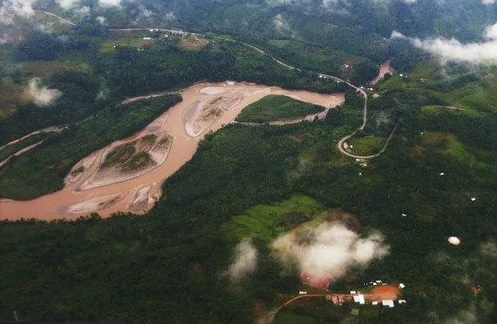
(193, 43)
(385, 69)
(384, 292)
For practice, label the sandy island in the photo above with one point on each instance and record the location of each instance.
(165, 145)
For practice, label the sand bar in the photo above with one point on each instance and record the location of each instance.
(139, 192)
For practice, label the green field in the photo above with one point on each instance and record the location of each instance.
(45, 69)
(268, 221)
(274, 107)
(110, 45)
(366, 145)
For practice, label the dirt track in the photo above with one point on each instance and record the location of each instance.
(85, 193)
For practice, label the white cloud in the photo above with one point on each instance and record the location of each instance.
(101, 20)
(329, 251)
(10, 9)
(452, 50)
(487, 2)
(245, 261)
(41, 95)
(67, 4)
(109, 3)
(70, 4)
(490, 32)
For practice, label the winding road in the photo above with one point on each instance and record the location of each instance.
(341, 143)
(108, 198)
(343, 140)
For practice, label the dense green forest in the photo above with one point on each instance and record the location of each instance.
(437, 177)
(274, 107)
(175, 256)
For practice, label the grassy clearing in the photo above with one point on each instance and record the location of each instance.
(447, 144)
(367, 145)
(45, 69)
(274, 107)
(268, 221)
(430, 111)
(479, 95)
(109, 46)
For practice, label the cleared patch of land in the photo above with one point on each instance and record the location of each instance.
(193, 43)
(274, 107)
(110, 45)
(366, 145)
(45, 69)
(446, 144)
(268, 221)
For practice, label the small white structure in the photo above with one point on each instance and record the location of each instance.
(402, 301)
(379, 281)
(359, 299)
(402, 286)
(388, 302)
(362, 301)
(404, 215)
(374, 303)
(473, 198)
(454, 240)
(147, 38)
(442, 174)
(301, 292)
(353, 292)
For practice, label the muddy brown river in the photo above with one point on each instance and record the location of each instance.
(184, 123)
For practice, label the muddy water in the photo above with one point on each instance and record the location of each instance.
(385, 68)
(73, 201)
